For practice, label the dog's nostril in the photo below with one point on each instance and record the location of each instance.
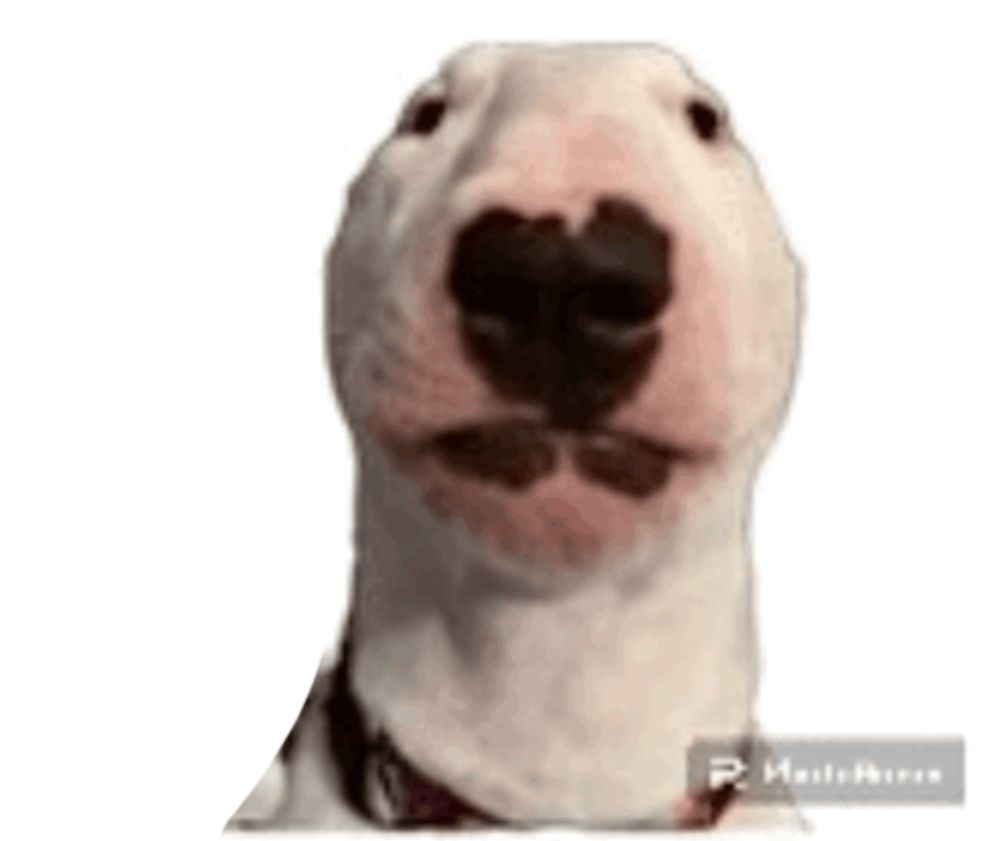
(497, 302)
(624, 300)
(501, 263)
(627, 260)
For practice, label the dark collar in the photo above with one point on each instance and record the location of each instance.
(383, 786)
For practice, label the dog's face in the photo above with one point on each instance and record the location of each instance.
(560, 302)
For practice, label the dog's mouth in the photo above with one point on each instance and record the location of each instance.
(517, 453)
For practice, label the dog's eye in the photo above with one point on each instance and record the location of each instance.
(425, 116)
(705, 119)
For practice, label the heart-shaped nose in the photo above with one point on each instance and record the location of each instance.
(568, 321)
(533, 275)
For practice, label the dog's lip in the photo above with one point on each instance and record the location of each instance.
(596, 434)
(517, 452)
(433, 438)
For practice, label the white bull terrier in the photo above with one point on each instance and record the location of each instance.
(562, 324)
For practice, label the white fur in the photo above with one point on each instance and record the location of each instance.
(539, 695)
(579, 705)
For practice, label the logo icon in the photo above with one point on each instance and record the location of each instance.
(727, 770)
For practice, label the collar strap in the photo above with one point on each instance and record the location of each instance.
(400, 795)
(385, 787)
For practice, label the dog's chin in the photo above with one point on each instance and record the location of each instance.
(555, 499)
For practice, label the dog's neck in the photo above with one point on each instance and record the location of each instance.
(575, 705)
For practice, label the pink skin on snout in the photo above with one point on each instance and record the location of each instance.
(428, 385)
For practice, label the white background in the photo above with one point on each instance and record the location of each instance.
(175, 481)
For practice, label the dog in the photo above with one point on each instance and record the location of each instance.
(563, 324)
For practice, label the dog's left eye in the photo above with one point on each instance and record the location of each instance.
(705, 119)
(425, 116)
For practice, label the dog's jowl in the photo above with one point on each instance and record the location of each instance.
(562, 323)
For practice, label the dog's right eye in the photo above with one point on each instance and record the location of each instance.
(425, 116)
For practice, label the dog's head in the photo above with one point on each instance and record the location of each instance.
(560, 302)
